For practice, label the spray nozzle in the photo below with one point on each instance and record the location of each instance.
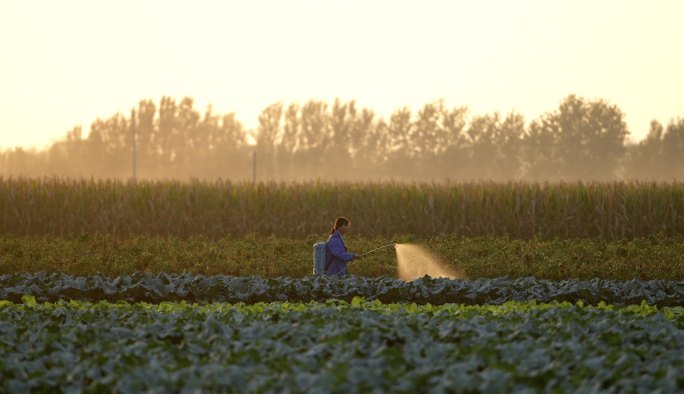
(395, 245)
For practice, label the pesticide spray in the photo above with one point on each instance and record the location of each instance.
(416, 262)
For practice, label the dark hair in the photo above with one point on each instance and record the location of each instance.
(339, 222)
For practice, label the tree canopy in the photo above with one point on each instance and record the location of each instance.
(581, 139)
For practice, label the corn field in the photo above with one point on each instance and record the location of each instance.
(521, 210)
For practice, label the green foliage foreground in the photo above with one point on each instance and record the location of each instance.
(647, 258)
(339, 348)
(164, 287)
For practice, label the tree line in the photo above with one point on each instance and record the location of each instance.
(581, 139)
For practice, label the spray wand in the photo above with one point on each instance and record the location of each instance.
(386, 246)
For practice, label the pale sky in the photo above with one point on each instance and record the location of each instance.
(65, 63)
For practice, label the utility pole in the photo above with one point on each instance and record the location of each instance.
(133, 133)
(254, 169)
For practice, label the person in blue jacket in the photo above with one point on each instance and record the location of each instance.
(336, 255)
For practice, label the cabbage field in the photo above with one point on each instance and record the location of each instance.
(146, 287)
(190, 333)
(534, 316)
(339, 347)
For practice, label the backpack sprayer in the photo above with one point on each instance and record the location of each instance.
(320, 256)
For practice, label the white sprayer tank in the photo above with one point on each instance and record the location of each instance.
(319, 258)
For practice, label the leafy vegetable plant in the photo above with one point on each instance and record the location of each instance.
(146, 287)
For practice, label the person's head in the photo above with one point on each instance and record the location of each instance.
(341, 225)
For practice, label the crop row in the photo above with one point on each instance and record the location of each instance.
(609, 210)
(338, 348)
(163, 287)
(487, 257)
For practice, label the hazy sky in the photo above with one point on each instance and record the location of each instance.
(65, 63)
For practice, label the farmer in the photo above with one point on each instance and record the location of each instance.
(336, 255)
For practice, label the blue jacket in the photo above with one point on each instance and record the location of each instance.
(337, 251)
